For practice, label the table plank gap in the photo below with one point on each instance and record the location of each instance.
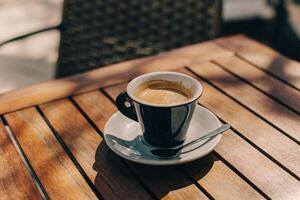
(26, 162)
(284, 81)
(246, 108)
(240, 174)
(278, 91)
(108, 173)
(101, 134)
(269, 156)
(210, 196)
(264, 58)
(266, 175)
(266, 139)
(56, 172)
(274, 75)
(168, 183)
(86, 117)
(270, 111)
(232, 185)
(17, 180)
(70, 154)
(91, 122)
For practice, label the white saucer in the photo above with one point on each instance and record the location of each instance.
(124, 137)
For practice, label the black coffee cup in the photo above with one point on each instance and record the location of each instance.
(162, 125)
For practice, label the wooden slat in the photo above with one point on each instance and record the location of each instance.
(196, 53)
(205, 171)
(58, 175)
(272, 86)
(219, 180)
(264, 57)
(260, 133)
(116, 73)
(15, 181)
(274, 112)
(168, 183)
(109, 175)
(265, 174)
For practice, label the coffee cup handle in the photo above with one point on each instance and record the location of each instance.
(125, 106)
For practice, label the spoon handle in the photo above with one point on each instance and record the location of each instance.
(213, 133)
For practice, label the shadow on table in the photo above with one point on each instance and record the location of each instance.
(275, 98)
(279, 64)
(159, 180)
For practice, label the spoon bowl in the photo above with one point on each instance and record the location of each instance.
(173, 152)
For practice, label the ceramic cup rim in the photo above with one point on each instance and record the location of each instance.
(134, 83)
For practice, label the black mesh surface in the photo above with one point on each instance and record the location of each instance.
(100, 32)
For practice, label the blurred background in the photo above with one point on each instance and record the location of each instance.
(46, 39)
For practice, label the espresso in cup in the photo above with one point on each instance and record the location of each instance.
(163, 103)
(162, 92)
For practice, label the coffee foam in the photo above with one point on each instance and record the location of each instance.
(162, 92)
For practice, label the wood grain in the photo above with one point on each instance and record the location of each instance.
(272, 86)
(206, 171)
(58, 175)
(274, 112)
(109, 175)
(260, 133)
(168, 183)
(265, 174)
(15, 180)
(116, 73)
(221, 182)
(264, 57)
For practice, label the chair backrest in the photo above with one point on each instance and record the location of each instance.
(99, 32)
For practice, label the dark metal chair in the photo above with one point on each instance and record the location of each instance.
(95, 33)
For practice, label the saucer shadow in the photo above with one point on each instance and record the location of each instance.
(128, 177)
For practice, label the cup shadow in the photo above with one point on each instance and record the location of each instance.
(159, 180)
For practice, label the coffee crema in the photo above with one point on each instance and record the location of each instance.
(162, 92)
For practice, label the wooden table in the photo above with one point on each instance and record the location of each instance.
(51, 134)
